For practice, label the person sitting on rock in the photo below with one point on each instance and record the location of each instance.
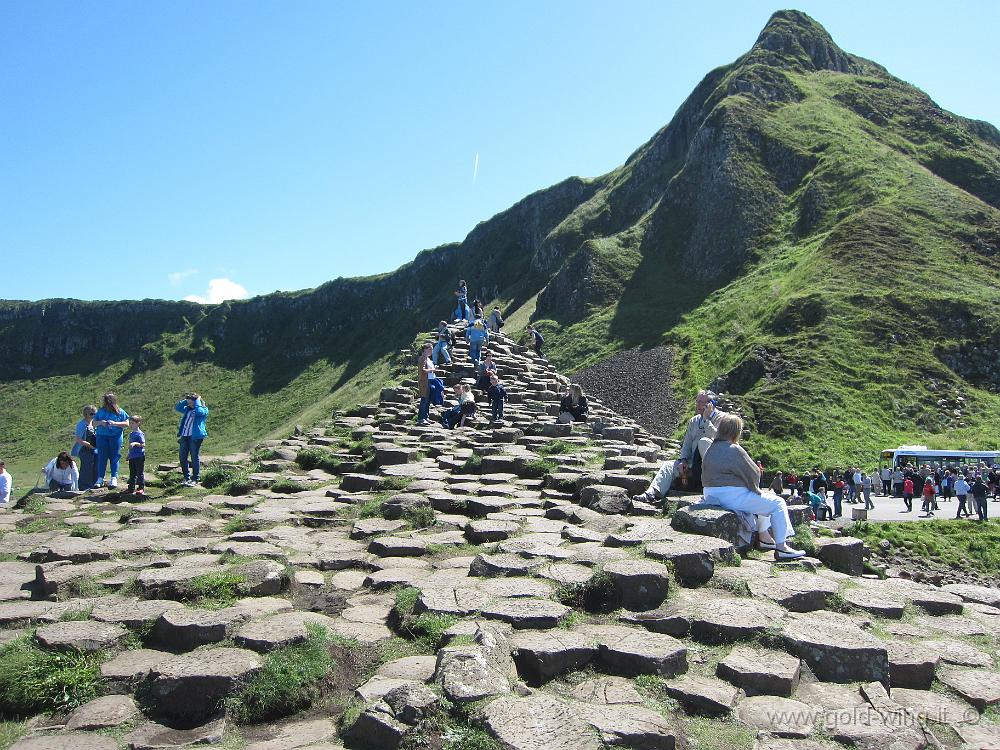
(573, 406)
(486, 368)
(732, 480)
(495, 321)
(821, 511)
(688, 464)
(451, 417)
(61, 473)
(497, 395)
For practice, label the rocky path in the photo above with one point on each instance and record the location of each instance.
(371, 583)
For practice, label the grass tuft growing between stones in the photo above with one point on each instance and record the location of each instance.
(597, 594)
(216, 589)
(473, 464)
(537, 468)
(710, 734)
(33, 680)
(289, 486)
(318, 458)
(420, 517)
(290, 680)
(425, 629)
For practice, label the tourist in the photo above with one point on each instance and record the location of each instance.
(897, 482)
(537, 339)
(777, 485)
(85, 448)
(136, 456)
(191, 433)
(908, 494)
(838, 495)
(993, 482)
(856, 481)
(962, 492)
(425, 371)
(476, 335)
(979, 492)
(467, 405)
(927, 493)
(6, 485)
(495, 321)
(885, 474)
(451, 417)
(477, 311)
(111, 421)
(497, 395)
(866, 488)
(792, 483)
(486, 368)
(821, 511)
(947, 485)
(462, 310)
(687, 467)
(573, 406)
(732, 480)
(818, 483)
(61, 473)
(444, 338)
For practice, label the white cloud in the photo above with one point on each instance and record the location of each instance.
(177, 277)
(219, 290)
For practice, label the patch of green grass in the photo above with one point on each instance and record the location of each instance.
(961, 544)
(536, 468)
(11, 732)
(289, 681)
(395, 483)
(34, 680)
(473, 464)
(41, 525)
(76, 615)
(36, 505)
(710, 734)
(240, 522)
(465, 737)
(557, 447)
(287, 485)
(83, 531)
(804, 540)
(425, 628)
(216, 589)
(370, 508)
(419, 517)
(318, 458)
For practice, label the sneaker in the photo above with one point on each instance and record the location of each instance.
(789, 554)
(140, 491)
(114, 483)
(187, 483)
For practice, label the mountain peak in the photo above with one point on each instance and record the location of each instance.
(791, 37)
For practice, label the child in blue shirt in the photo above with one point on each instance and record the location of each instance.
(136, 456)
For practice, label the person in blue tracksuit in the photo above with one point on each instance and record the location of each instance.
(191, 433)
(110, 421)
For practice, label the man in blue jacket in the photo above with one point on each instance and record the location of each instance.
(191, 433)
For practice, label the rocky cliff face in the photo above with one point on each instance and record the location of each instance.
(803, 214)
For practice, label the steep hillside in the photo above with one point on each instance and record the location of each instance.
(808, 233)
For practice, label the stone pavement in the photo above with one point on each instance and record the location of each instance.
(495, 579)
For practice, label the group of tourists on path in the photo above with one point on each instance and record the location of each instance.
(98, 440)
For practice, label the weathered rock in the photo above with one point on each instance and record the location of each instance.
(692, 557)
(101, 713)
(880, 605)
(82, 635)
(189, 688)
(482, 531)
(130, 667)
(525, 613)
(606, 499)
(187, 628)
(539, 722)
(411, 703)
(795, 591)
(911, 665)
(760, 671)
(708, 520)
(66, 741)
(396, 506)
(506, 564)
(979, 687)
(153, 736)
(835, 648)
(703, 695)
(783, 717)
(298, 734)
(978, 594)
(843, 554)
(607, 691)
(640, 584)
(630, 652)
(729, 619)
(542, 656)
(466, 674)
(935, 707)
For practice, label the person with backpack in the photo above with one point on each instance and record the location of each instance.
(445, 337)
(495, 321)
(537, 339)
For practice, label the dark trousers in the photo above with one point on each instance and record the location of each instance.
(538, 348)
(55, 486)
(981, 508)
(136, 467)
(88, 469)
(962, 511)
(497, 409)
(190, 455)
(838, 508)
(908, 499)
(886, 487)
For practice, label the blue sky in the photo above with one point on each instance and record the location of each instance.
(223, 148)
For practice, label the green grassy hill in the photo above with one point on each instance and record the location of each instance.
(811, 235)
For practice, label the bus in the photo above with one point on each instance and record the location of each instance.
(918, 455)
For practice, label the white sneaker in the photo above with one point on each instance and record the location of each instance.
(113, 483)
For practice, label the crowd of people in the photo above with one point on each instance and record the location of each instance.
(93, 461)
(478, 330)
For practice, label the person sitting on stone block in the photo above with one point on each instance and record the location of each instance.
(688, 465)
(732, 481)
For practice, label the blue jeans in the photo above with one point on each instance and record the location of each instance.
(88, 469)
(108, 449)
(424, 410)
(441, 347)
(190, 446)
(497, 407)
(475, 349)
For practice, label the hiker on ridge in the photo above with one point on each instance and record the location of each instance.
(702, 425)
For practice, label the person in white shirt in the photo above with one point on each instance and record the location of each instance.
(962, 490)
(5, 484)
(885, 474)
(61, 473)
